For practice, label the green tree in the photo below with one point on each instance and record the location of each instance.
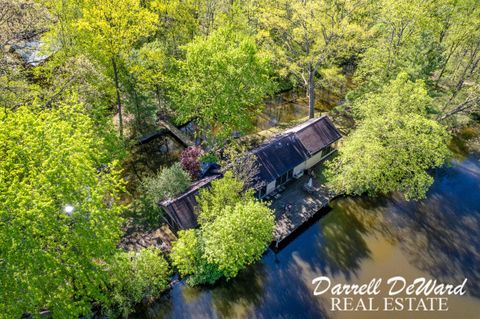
(165, 184)
(133, 277)
(179, 23)
(59, 212)
(404, 39)
(457, 79)
(109, 30)
(187, 256)
(235, 230)
(238, 237)
(223, 192)
(308, 35)
(221, 83)
(394, 145)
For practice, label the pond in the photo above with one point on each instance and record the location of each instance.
(358, 239)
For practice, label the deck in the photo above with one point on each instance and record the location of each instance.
(294, 206)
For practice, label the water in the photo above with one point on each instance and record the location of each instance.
(290, 106)
(359, 239)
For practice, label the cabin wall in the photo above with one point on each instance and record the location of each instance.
(300, 167)
(270, 187)
(317, 157)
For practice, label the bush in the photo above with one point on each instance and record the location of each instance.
(226, 191)
(190, 160)
(209, 158)
(238, 237)
(134, 277)
(168, 183)
(187, 257)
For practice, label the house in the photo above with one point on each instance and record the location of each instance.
(280, 160)
(298, 149)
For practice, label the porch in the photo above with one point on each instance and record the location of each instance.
(296, 202)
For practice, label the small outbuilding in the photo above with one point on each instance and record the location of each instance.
(181, 210)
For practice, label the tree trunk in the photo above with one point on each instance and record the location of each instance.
(311, 94)
(444, 67)
(119, 103)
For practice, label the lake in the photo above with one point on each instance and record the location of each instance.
(357, 239)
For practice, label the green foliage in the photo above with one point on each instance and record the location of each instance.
(185, 252)
(394, 145)
(190, 59)
(110, 28)
(187, 257)
(221, 82)
(166, 184)
(400, 97)
(223, 192)
(404, 40)
(179, 22)
(238, 236)
(235, 230)
(52, 258)
(209, 158)
(145, 78)
(107, 31)
(308, 36)
(134, 277)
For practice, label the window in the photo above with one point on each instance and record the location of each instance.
(290, 174)
(284, 178)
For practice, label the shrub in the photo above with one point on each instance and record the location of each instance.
(134, 277)
(238, 237)
(209, 158)
(226, 191)
(187, 257)
(166, 184)
(190, 160)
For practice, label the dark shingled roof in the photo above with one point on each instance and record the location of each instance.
(294, 146)
(316, 134)
(181, 209)
(278, 156)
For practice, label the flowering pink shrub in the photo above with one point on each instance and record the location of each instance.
(190, 160)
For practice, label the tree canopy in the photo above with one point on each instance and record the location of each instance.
(59, 216)
(394, 145)
(222, 81)
(405, 74)
(307, 36)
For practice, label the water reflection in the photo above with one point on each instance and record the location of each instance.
(342, 244)
(239, 297)
(290, 106)
(360, 239)
(441, 235)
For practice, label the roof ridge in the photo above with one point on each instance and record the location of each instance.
(288, 132)
(196, 185)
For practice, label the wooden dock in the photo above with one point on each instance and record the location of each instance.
(295, 206)
(176, 133)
